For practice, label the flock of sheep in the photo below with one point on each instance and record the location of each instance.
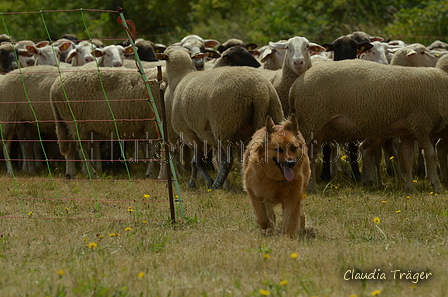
(72, 99)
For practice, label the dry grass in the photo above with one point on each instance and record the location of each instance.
(218, 250)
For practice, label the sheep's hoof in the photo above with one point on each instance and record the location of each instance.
(192, 184)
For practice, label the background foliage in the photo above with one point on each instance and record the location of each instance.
(167, 21)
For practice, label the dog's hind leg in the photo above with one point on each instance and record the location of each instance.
(293, 217)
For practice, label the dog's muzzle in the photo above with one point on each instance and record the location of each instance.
(286, 168)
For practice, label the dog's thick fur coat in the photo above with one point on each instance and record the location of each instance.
(276, 170)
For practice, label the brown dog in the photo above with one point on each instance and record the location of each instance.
(276, 170)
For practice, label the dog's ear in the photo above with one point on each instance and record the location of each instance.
(269, 125)
(293, 125)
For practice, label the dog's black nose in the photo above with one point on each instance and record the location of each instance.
(290, 164)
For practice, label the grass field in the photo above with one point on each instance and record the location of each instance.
(106, 238)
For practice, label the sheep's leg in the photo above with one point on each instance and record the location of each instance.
(442, 154)
(7, 150)
(371, 156)
(326, 155)
(224, 168)
(407, 146)
(390, 153)
(313, 149)
(70, 166)
(430, 162)
(198, 162)
(353, 155)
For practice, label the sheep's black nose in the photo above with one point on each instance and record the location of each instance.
(290, 164)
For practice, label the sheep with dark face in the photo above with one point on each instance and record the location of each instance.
(7, 58)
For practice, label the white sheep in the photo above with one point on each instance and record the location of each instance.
(272, 58)
(356, 99)
(220, 107)
(112, 55)
(26, 104)
(81, 54)
(121, 108)
(26, 59)
(378, 53)
(416, 55)
(297, 60)
(49, 54)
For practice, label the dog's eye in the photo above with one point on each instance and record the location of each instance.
(278, 150)
(294, 148)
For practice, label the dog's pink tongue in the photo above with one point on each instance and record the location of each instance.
(288, 173)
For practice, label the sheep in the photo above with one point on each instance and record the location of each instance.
(346, 47)
(25, 58)
(415, 56)
(236, 42)
(79, 96)
(363, 37)
(7, 58)
(64, 54)
(236, 56)
(356, 99)
(112, 55)
(219, 107)
(196, 44)
(378, 53)
(438, 45)
(81, 54)
(297, 61)
(272, 58)
(25, 100)
(146, 49)
(46, 55)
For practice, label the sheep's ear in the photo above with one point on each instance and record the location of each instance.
(159, 48)
(128, 50)
(70, 56)
(32, 49)
(269, 125)
(266, 54)
(292, 124)
(162, 56)
(211, 43)
(24, 53)
(97, 53)
(278, 45)
(63, 47)
(314, 47)
(364, 47)
(42, 44)
(199, 56)
(328, 47)
(213, 54)
(251, 46)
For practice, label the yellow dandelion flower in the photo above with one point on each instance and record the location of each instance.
(128, 229)
(130, 209)
(60, 272)
(66, 208)
(209, 190)
(407, 219)
(141, 275)
(397, 211)
(146, 196)
(99, 236)
(384, 201)
(92, 245)
(376, 292)
(304, 196)
(414, 181)
(114, 234)
(283, 282)
(408, 196)
(335, 188)
(294, 255)
(430, 193)
(391, 158)
(144, 222)
(413, 286)
(30, 213)
(267, 256)
(377, 220)
(353, 295)
(264, 292)
(436, 194)
(85, 239)
(343, 158)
